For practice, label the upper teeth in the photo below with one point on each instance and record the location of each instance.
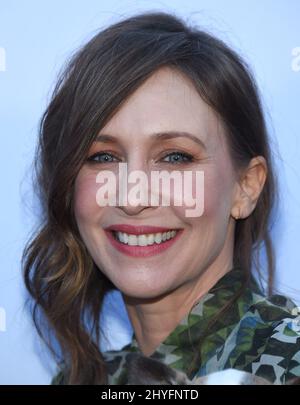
(144, 240)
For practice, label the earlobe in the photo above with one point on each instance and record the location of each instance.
(236, 213)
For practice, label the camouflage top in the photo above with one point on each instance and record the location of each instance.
(257, 334)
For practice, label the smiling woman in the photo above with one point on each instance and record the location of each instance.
(157, 95)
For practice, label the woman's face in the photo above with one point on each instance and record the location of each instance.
(166, 102)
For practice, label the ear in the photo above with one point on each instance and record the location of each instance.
(249, 188)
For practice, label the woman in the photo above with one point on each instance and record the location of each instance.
(154, 95)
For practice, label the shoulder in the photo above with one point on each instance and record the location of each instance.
(116, 361)
(268, 339)
(278, 315)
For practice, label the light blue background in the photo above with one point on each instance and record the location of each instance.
(38, 36)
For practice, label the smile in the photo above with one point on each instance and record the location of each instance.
(143, 245)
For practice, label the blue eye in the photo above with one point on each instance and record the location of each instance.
(179, 157)
(101, 157)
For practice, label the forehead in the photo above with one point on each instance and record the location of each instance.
(164, 102)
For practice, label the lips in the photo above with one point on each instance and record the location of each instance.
(140, 251)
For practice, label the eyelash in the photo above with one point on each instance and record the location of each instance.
(187, 156)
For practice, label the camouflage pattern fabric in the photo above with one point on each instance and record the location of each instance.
(257, 334)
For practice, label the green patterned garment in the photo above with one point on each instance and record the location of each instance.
(256, 334)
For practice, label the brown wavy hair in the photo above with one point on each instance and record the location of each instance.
(66, 288)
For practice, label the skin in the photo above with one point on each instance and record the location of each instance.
(159, 290)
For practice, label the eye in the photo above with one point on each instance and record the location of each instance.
(101, 157)
(179, 157)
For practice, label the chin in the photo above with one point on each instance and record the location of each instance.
(138, 291)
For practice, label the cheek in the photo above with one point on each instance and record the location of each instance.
(219, 186)
(85, 204)
(215, 195)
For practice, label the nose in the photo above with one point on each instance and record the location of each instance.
(134, 192)
(133, 211)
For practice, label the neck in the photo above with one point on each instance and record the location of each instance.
(153, 319)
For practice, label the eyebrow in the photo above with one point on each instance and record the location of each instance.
(158, 136)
